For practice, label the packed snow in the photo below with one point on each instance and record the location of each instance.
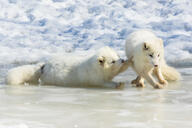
(33, 30)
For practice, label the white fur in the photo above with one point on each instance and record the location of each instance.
(140, 45)
(97, 70)
(24, 74)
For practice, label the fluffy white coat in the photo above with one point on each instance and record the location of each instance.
(147, 53)
(24, 74)
(97, 70)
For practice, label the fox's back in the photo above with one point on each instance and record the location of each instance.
(136, 39)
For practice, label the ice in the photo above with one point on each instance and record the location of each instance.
(56, 107)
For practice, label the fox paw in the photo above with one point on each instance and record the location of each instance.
(134, 81)
(158, 86)
(164, 82)
(140, 85)
(120, 85)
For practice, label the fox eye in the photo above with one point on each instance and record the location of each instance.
(113, 62)
(100, 61)
(151, 55)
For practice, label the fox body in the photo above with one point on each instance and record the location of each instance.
(24, 74)
(147, 53)
(97, 70)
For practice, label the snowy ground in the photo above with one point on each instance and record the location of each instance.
(32, 30)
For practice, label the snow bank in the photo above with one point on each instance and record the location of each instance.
(31, 30)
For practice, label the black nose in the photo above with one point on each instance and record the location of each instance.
(156, 65)
(122, 61)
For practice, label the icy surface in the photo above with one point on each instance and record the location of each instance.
(32, 30)
(59, 107)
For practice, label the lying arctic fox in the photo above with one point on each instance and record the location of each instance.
(147, 52)
(24, 74)
(97, 71)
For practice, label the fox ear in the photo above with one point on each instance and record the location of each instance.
(101, 60)
(161, 42)
(145, 46)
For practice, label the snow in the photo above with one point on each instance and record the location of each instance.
(33, 30)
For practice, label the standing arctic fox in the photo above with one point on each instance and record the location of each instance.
(147, 52)
(98, 70)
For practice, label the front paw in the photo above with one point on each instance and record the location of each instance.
(158, 86)
(137, 83)
(120, 85)
(140, 85)
(134, 81)
(164, 82)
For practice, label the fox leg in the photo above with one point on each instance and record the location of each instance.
(126, 64)
(139, 81)
(158, 73)
(148, 76)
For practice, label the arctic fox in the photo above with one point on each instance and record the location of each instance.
(147, 52)
(24, 74)
(97, 71)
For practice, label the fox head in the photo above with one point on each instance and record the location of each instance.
(109, 61)
(153, 53)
